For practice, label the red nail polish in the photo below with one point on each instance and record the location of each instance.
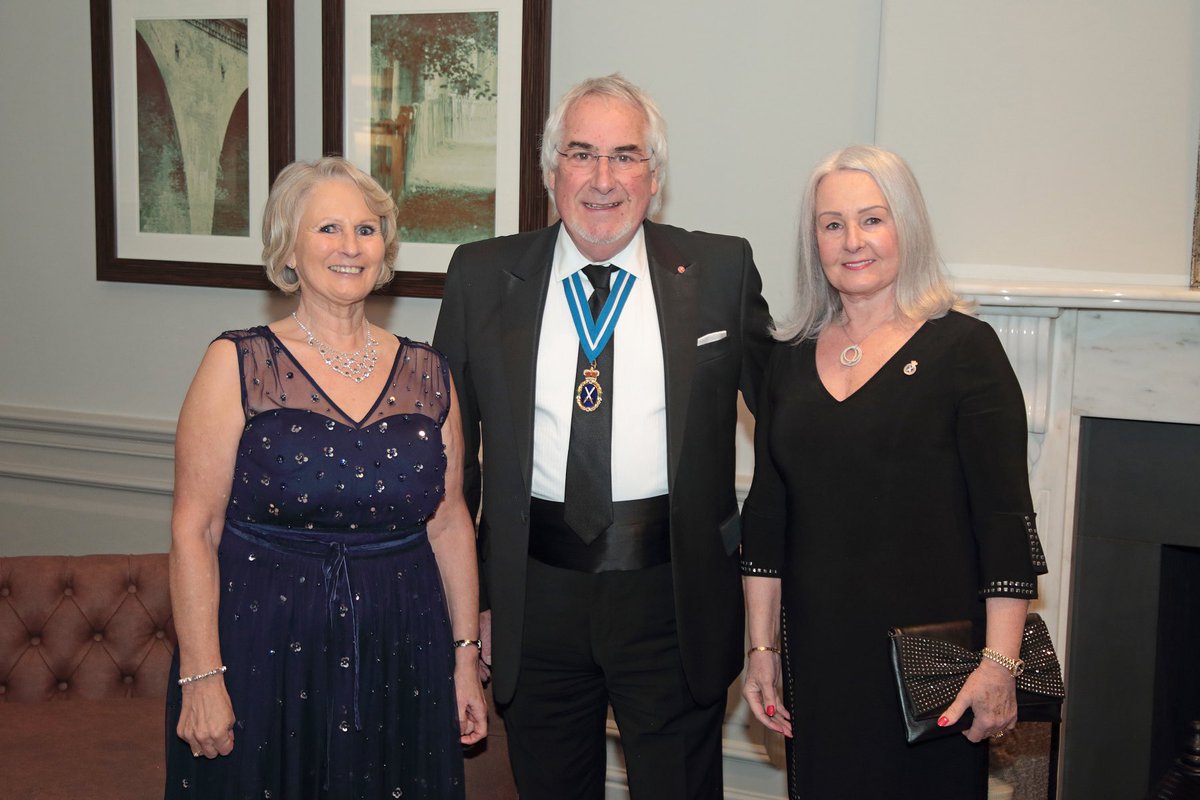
(943, 721)
(770, 711)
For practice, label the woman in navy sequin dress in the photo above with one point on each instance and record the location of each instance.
(322, 553)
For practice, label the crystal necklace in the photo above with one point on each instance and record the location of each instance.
(852, 354)
(356, 366)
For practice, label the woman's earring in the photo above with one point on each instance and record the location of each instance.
(289, 274)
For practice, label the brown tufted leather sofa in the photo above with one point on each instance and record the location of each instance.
(85, 649)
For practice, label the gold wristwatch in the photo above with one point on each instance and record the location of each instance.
(1015, 666)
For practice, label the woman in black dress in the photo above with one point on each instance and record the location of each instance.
(322, 561)
(890, 488)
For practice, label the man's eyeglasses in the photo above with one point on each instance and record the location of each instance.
(586, 160)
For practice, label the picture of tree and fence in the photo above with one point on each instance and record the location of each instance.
(433, 122)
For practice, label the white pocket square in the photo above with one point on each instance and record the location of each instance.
(709, 338)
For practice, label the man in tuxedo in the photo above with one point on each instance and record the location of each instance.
(600, 360)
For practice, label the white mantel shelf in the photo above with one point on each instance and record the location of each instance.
(1032, 294)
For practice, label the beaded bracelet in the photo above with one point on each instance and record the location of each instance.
(476, 643)
(201, 676)
(762, 648)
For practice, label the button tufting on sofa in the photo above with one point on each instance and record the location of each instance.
(88, 621)
(82, 633)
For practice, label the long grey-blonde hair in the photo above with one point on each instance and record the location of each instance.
(922, 290)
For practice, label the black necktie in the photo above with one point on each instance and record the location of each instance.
(588, 496)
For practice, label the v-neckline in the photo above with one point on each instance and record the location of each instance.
(358, 423)
(903, 346)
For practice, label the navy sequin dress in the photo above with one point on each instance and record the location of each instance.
(332, 620)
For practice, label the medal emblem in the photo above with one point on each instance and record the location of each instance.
(595, 333)
(589, 394)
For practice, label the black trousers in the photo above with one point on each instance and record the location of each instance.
(595, 639)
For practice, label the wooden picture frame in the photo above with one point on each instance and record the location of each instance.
(1195, 283)
(375, 107)
(163, 217)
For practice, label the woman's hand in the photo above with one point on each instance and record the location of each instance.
(991, 694)
(761, 690)
(472, 705)
(206, 721)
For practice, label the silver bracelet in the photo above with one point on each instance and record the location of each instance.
(201, 676)
(476, 643)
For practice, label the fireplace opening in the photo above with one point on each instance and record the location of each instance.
(1177, 662)
(1133, 685)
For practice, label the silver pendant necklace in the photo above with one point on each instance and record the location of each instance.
(852, 354)
(358, 365)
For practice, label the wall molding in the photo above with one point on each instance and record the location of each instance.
(81, 449)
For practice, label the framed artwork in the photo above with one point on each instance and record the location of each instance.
(443, 102)
(193, 114)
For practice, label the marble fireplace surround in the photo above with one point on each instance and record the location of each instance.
(1130, 353)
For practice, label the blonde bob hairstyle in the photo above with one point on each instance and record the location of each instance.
(285, 207)
(616, 88)
(922, 291)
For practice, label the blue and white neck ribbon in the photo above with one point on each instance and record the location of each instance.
(595, 333)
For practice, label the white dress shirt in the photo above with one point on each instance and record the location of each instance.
(639, 397)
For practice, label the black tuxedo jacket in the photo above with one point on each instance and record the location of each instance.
(489, 328)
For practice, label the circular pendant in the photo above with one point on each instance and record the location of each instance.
(851, 356)
(589, 394)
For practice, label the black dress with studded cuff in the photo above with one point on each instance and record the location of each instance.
(906, 503)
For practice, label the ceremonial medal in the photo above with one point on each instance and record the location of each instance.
(594, 334)
(589, 394)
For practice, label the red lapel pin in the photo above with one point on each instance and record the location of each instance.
(681, 269)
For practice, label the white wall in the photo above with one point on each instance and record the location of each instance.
(1054, 140)
(1049, 136)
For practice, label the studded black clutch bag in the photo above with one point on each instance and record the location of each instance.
(931, 663)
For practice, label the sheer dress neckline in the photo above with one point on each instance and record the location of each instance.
(357, 422)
